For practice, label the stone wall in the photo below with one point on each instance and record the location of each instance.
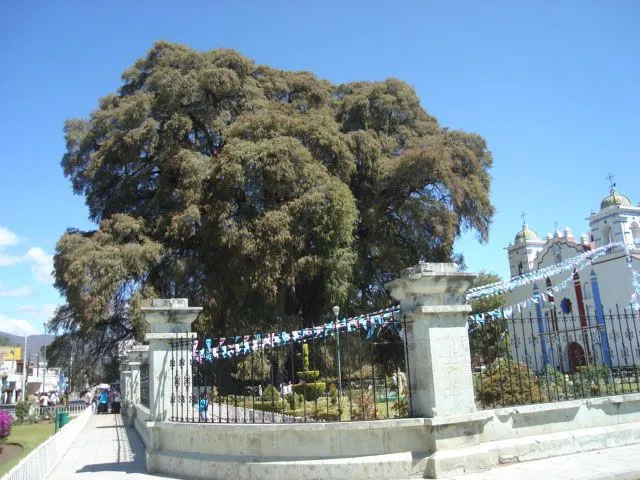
(403, 448)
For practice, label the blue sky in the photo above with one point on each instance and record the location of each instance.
(552, 86)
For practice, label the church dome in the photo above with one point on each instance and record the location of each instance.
(526, 234)
(614, 198)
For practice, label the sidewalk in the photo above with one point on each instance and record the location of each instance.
(105, 449)
(622, 463)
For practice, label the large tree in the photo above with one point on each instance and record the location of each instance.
(257, 192)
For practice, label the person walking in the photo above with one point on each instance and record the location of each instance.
(115, 402)
(103, 402)
(203, 405)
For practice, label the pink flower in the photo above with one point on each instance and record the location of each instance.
(5, 424)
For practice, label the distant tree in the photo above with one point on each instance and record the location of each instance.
(488, 338)
(256, 192)
(5, 341)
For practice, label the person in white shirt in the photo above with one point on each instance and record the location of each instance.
(44, 402)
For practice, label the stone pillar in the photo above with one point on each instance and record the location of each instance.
(169, 320)
(125, 375)
(431, 295)
(124, 370)
(136, 356)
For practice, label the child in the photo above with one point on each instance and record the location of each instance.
(202, 407)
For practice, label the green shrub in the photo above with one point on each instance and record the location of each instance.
(595, 373)
(327, 416)
(305, 356)
(276, 406)
(310, 391)
(308, 375)
(508, 382)
(592, 381)
(270, 393)
(294, 400)
(22, 410)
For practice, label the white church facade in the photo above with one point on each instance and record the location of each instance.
(583, 309)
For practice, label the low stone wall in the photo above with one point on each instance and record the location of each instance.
(141, 416)
(40, 462)
(481, 440)
(376, 449)
(403, 448)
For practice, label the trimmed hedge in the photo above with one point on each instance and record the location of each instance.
(308, 375)
(310, 391)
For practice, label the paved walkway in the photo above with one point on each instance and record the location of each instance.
(622, 463)
(106, 449)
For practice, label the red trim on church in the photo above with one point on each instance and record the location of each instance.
(581, 311)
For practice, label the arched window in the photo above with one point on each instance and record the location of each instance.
(607, 237)
(635, 233)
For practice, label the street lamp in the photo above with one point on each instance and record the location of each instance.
(44, 358)
(336, 313)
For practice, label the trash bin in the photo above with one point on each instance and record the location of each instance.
(62, 418)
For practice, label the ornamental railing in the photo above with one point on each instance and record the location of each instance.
(144, 383)
(547, 355)
(295, 376)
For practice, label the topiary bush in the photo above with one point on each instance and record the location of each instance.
(310, 391)
(308, 375)
(270, 393)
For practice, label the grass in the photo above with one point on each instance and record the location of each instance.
(29, 436)
(324, 409)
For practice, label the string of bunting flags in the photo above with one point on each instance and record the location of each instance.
(574, 264)
(508, 311)
(578, 262)
(228, 347)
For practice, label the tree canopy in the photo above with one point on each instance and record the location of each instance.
(488, 338)
(254, 191)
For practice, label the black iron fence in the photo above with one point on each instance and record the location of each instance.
(306, 375)
(144, 383)
(546, 356)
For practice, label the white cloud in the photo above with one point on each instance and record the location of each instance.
(16, 326)
(43, 264)
(43, 312)
(7, 237)
(23, 291)
(8, 260)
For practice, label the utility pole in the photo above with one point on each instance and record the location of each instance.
(23, 396)
(44, 358)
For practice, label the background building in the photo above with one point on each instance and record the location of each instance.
(582, 310)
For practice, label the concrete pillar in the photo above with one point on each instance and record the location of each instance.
(137, 355)
(124, 371)
(169, 320)
(431, 295)
(125, 389)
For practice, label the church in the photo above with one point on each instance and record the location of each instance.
(574, 301)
